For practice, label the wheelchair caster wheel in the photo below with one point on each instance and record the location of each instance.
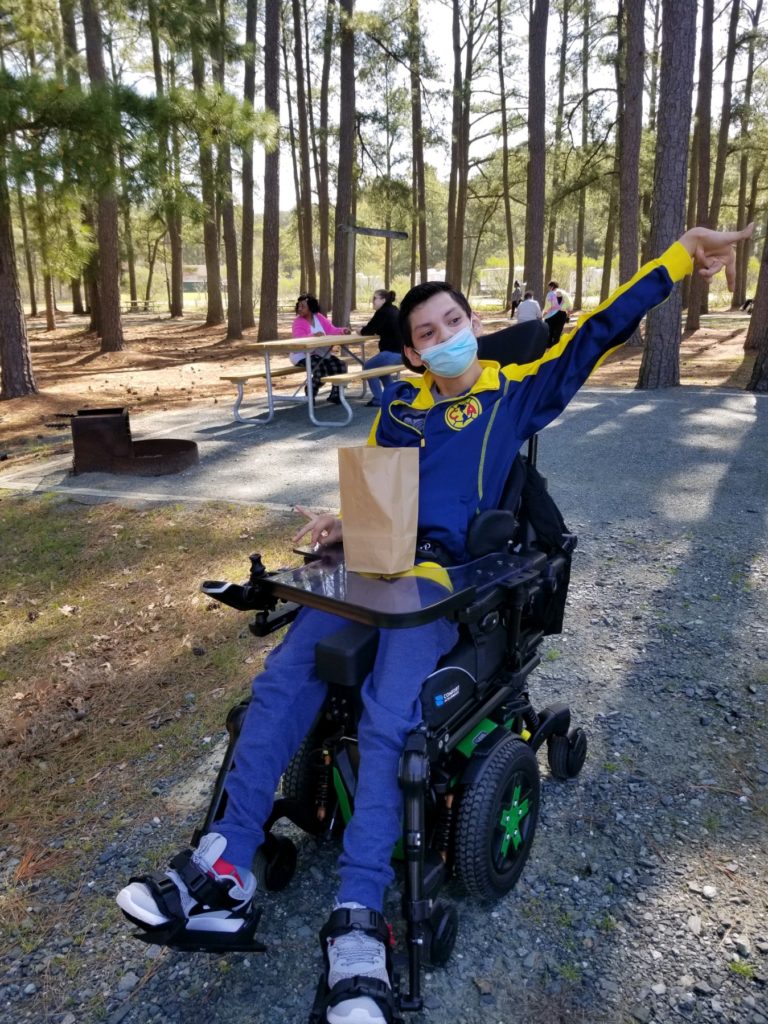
(566, 754)
(275, 863)
(443, 930)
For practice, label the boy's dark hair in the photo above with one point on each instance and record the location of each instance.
(311, 301)
(553, 284)
(528, 295)
(416, 297)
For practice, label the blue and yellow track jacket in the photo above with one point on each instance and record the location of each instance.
(468, 444)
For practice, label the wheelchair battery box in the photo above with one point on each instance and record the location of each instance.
(347, 656)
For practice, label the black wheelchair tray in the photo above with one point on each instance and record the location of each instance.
(413, 598)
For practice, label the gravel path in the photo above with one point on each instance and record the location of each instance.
(646, 896)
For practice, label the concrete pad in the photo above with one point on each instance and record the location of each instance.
(685, 455)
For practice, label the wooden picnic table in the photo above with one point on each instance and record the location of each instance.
(266, 349)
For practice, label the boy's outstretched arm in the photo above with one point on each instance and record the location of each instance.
(548, 385)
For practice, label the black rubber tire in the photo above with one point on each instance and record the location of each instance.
(443, 930)
(275, 863)
(566, 754)
(507, 779)
(558, 749)
(577, 752)
(301, 776)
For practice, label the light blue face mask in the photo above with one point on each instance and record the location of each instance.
(452, 357)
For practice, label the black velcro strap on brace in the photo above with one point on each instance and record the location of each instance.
(165, 894)
(360, 985)
(345, 919)
(206, 890)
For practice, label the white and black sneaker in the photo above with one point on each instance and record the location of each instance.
(200, 886)
(355, 953)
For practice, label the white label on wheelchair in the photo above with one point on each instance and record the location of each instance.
(443, 698)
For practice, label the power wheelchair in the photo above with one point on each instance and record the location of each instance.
(469, 774)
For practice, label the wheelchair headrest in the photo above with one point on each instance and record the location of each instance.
(518, 343)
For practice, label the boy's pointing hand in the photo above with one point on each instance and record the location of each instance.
(714, 250)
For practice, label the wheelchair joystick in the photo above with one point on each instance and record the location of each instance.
(258, 569)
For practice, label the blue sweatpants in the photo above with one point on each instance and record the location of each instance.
(286, 699)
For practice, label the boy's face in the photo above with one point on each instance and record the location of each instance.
(433, 322)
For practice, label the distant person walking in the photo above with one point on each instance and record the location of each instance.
(515, 299)
(555, 315)
(529, 309)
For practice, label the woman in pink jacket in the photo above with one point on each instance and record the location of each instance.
(309, 322)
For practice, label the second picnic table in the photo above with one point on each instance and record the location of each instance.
(282, 347)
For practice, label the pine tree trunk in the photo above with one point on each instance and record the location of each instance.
(270, 260)
(417, 134)
(130, 256)
(69, 42)
(630, 128)
(246, 248)
(743, 248)
(697, 288)
(660, 366)
(342, 285)
(552, 227)
(15, 365)
(107, 215)
(27, 253)
(653, 61)
(42, 235)
(578, 297)
(77, 296)
(725, 117)
(295, 165)
(174, 216)
(151, 258)
(323, 200)
(610, 237)
(302, 127)
(505, 158)
(751, 206)
(535, 198)
(215, 311)
(462, 189)
(453, 177)
(757, 335)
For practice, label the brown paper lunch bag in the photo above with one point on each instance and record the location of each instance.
(379, 508)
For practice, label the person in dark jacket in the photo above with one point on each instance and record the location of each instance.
(386, 323)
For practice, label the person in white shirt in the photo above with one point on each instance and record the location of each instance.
(529, 309)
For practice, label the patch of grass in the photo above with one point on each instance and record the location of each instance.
(100, 616)
(552, 655)
(569, 972)
(610, 766)
(744, 970)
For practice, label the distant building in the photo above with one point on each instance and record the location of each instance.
(195, 279)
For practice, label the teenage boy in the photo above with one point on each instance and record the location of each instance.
(468, 418)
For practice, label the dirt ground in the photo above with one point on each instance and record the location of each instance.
(168, 363)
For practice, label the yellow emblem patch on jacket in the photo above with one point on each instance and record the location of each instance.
(460, 413)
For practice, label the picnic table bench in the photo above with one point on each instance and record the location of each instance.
(283, 346)
(343, 380)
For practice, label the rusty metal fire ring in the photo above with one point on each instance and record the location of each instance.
(157, 457)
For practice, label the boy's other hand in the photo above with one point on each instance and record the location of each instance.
(714, 250)
(324, 529)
